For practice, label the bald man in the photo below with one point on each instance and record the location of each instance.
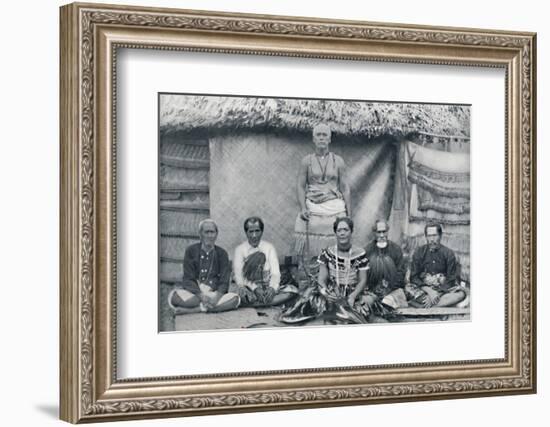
(323, 194)
(206, 275)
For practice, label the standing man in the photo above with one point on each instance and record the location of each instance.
(256, 268)
(386, 276)
(323, 194)
(206, 274)
(434, 271)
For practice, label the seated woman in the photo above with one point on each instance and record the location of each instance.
(323, 194)
(338, 294)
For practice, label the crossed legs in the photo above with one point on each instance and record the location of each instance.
(184, 302)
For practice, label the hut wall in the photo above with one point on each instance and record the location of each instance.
(255, 174)
(247, 173)
(432, 184)
(184, 200)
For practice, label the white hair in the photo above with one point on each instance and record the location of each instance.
(380, 221)
(322, 126)
(207, 221)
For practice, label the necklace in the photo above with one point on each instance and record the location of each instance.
(347, 269)
(323, 179)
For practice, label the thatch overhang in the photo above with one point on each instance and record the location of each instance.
(216, 114)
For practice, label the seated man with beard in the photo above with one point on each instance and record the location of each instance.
(386, 276)
(434, 271)
(256, 269)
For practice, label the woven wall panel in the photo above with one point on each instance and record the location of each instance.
(255, 174)
(195, 198)
(183, 205)
(171, 272)
(169, 196)
(178, 177)
(180, 222)
(174, 247)
(181, 213)
(371, 179)
(181, 149)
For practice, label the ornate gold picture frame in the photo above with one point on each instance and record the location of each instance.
(91, 38)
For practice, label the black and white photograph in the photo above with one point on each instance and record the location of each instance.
(224, 213)
(288, 212)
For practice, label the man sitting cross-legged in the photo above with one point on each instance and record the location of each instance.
(256, 269)
(434, 272)
(206, 274)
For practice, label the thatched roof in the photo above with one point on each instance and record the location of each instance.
(371, 119)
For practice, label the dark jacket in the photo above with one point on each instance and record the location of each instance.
(396, 278)
(211, 268)
(442, 260)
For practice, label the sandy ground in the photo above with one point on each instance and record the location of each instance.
(237, 319)
(266, 317)
(242, 318)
